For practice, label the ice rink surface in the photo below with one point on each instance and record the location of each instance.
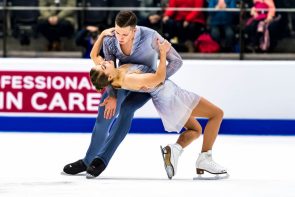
(259, 166)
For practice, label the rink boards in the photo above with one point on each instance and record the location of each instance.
(55, 95)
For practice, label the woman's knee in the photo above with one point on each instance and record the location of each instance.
(218, 112)
(197, 131)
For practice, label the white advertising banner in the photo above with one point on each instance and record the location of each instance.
(61, 87)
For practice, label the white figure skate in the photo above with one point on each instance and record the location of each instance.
(170, 154)
(206, 163)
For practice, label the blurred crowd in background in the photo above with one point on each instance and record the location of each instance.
(211, 26)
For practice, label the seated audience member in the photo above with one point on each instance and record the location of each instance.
(183, 26)
(92, 23)
(151, 19)
(287, 22)
(54, 24)
(86, 38)
(260, 29)
(121, 3)
(221, 23)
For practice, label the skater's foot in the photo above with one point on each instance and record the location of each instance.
(170, 154)
(206, 163)
(75, 167)
(96, 167)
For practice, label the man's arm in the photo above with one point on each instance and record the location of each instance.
(173, 58)
(44, 13)
(65, 13)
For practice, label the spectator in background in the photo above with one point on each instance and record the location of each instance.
(262, 17)
(93, 22)
(54, 24)
(183, 26)
(287, 23)
(86, 37)
(151, 19)
(221, 23)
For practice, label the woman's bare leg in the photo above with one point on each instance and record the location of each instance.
(193, 131)
(172, 152)
(214, 114)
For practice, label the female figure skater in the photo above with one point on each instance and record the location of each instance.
(177, 108)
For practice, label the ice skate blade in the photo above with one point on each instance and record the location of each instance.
(168, 167)
(66, 174)
(89, 176)
(212, 177)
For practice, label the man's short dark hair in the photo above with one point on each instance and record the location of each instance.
(125, 19)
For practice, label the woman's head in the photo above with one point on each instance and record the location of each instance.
(125, 24)
(102, 75)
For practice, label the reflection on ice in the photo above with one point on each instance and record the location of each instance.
(31, 165)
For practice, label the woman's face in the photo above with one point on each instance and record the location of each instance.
(124, 34)
(107, 67)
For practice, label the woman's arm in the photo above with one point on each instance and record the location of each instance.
(135, 81)
(174, 61)
(271, 11)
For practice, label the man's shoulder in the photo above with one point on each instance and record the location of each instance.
(110, 44)
(146, 30)
(109, 39)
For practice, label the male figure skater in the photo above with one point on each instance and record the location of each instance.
(130, 43)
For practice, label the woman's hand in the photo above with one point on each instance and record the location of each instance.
(108, 32)
(221, 5)
(268, 19)
(164, 47)
(253, 12)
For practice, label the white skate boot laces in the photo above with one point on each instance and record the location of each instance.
(205, 163)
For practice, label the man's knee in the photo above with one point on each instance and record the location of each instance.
(126, 113)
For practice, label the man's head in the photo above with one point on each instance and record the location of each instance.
(102, 75)
(125, 24)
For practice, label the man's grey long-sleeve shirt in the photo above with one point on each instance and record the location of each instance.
(145, 51)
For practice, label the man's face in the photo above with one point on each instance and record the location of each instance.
(124, 34)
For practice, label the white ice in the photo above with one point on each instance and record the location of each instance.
(259, 166)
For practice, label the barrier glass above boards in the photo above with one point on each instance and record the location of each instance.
(209, 29)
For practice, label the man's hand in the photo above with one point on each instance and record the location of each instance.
(53, 20)
(110, 104)
(221, 5)
(154, 18)
(165, 19)
(185, 24)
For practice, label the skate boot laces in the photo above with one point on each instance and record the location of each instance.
(205, 162)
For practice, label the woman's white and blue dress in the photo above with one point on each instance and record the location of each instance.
(173, 103)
